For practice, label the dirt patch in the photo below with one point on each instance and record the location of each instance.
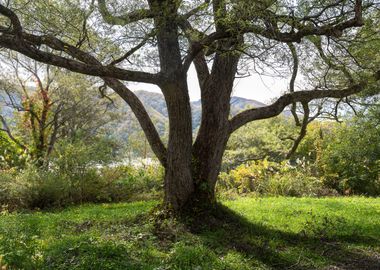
(355, 260)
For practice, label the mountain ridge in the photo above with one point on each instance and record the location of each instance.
(155, 105)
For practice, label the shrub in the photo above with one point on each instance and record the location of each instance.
(77, 173)
(11, 155)
(128, 182)
(350, 160)
(265, 138)
(36, 188)
(265, 177)
(8, 189)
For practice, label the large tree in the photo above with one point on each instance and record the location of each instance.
(156, 41)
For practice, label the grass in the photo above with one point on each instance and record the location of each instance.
(267, 233)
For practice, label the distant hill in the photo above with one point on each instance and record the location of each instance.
(155, 105)
(239, 104)
(156, 108)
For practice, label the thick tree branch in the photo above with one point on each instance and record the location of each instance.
(142, 116)
(197, 9)
(299, 29)
(300, 96)
(16, 25)
(133, 16)
(30, 45)
(87, 64)
(200, 59)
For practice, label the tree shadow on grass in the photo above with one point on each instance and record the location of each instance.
(89, 243)
(227, 231)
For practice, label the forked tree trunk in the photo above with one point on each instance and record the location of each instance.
(190, 183)
(192, 170)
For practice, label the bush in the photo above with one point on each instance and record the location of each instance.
(133, 183)
(11, 155)
(350, 159)
(35, 188)
(259, 139)
(77, 173)
(272, 178)
(336, 159)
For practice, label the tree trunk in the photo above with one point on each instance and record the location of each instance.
(209, 147)
(178, 183)
(191, 171)
(178, 175)
(214, 131)
(197, 189)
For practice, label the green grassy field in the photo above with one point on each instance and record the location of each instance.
(270, 233)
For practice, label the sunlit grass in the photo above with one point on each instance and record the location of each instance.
(269, 233)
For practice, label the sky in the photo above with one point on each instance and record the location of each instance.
(259, 88)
